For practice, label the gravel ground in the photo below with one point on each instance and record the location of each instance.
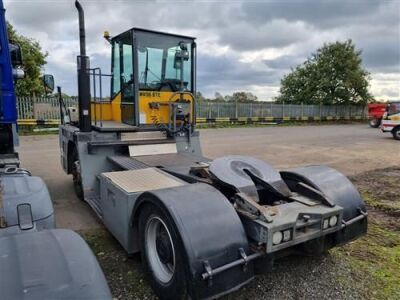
(292, 278)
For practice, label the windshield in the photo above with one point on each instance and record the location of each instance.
(157, 64)
(394, 108)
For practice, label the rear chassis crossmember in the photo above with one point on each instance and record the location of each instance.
(245, 259)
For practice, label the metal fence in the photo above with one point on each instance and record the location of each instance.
(215, 110)
(42, 108)
(48, 109)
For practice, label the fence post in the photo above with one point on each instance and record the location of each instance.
(271, 114)
(217, 109)
(236, 110)
(320, 111)
(283, 110)
(209, 110)
(262, 110)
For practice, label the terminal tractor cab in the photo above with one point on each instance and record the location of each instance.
(204, 227)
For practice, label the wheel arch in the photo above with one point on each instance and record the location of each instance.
(210, 230)
(395, 128)
(339, 189)
(330, 182)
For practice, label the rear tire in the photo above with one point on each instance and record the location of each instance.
(374, 122)
(76, 174)
(162, 253)
(396, 133)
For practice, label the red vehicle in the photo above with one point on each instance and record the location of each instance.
(375, 113)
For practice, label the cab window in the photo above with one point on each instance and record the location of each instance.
(394, 108)
(116, 82)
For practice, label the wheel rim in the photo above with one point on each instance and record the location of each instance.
(160, 249)
(373, 122)
(397, 133)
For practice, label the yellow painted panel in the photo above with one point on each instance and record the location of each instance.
(222, 119)
(395, 117)
(101, 111)
(201, 120)
(116, 108)
(148, 115)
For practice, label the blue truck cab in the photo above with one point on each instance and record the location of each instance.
(10, 59)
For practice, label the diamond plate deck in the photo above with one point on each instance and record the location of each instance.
(133, 181)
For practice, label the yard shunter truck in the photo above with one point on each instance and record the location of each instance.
(36, 260)
(204, 227)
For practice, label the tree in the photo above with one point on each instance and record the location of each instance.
(332, 75)
(218, 97)
(243, 97)
(200, 97)
(33, 60)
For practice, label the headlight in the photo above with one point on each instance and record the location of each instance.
(333, 221)
(325, 225)
(277, 238)
(286, 235)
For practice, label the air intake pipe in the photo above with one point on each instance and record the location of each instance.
(85, 123)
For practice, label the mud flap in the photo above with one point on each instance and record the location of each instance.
(340, 191)
(211, 233)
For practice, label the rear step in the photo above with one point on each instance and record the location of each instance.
(126, 162)
(96, 144)
(94, 202)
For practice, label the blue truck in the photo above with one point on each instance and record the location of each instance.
(37, 261)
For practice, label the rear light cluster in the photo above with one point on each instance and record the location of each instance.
(330, 222)
(281, 236)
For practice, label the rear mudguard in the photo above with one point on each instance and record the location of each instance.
(211, 232)
(340, 191)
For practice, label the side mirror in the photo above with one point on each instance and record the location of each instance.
(181, 55)
(48, 82)
(16, 55)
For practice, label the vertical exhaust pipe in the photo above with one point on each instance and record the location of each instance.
(85, 123)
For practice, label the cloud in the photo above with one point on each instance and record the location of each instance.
(242, 45)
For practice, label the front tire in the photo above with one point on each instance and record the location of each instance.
(162, 253)
(374, 122)
(396, 133)
(76, 174)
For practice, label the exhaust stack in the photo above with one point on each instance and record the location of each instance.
(85, 123)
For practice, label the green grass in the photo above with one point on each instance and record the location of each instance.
(375, 258)
(124, 274)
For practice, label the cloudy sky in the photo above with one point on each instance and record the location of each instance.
(242, 45)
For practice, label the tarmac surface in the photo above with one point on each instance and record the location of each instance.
(351, 149)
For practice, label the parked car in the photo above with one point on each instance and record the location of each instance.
(391, 119)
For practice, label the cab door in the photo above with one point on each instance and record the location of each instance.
(127, 80)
